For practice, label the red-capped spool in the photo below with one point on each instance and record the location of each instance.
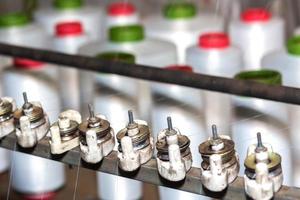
(184, 68)
(214, 41)
(64, 29)
(43, 196)
(255, 15)
(121, 9)
(27, 63)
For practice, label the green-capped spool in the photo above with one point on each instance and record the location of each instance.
(179, 10)
(117, 56)
(14, 19)
(67, 4)
(266, 76)
(293, 45)
(130, 33)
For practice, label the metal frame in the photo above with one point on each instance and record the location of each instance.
(148, 172)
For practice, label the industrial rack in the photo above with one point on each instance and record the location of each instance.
(148, 172)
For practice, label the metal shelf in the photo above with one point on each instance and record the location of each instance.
(147, 173)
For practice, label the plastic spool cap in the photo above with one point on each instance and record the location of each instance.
(184, 68)
(27, 63)
(255, 15)
(270, 77)
(44, 196)
(214, 41)
(180, 10)
(131, 33)
(293, 45)
(68, 29)
(121, 9)
(67, 4)
(13, 19)
(117, 56)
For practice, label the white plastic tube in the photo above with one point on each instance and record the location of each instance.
(214, 55)
(257, 33)
(65, 11)
(68, 38)
(181, 24)
(120, 14)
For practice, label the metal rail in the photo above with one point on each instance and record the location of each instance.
(147, 173)
(213, 83)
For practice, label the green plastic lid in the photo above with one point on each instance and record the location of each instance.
(265, 76)
(13, 19)
(117, 56)
(293, 45)
(129, 33)
(67, 4)
(179, 10)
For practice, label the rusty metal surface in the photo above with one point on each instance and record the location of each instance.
(147, 173)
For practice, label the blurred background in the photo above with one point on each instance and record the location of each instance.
(243, 39)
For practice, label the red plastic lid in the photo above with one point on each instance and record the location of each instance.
(43, 196)
(185, 68)
(68, 29)
(214, 41)
(256, 15)
(27, 63)
(121, 9)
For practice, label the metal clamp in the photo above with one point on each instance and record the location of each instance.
(220, 164)
(135, 144)
(174, 158)
(7, 108)
(65, 132)
(263, 174)
(32, 124)
(96, 138)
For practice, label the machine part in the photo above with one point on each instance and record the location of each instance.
(215, 49)
(135, 144)
(220, 165)
(31, 122)
(174, 158)
(69, 36)
(75, 10)
(65, 133)
(263, 173)
(181, 24)
(96, 137)
(7, 108)
(254, 33)
(120, 14)
(148, 172)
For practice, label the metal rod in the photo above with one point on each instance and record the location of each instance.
(213, 83)
(147, 173)
(170, 126)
